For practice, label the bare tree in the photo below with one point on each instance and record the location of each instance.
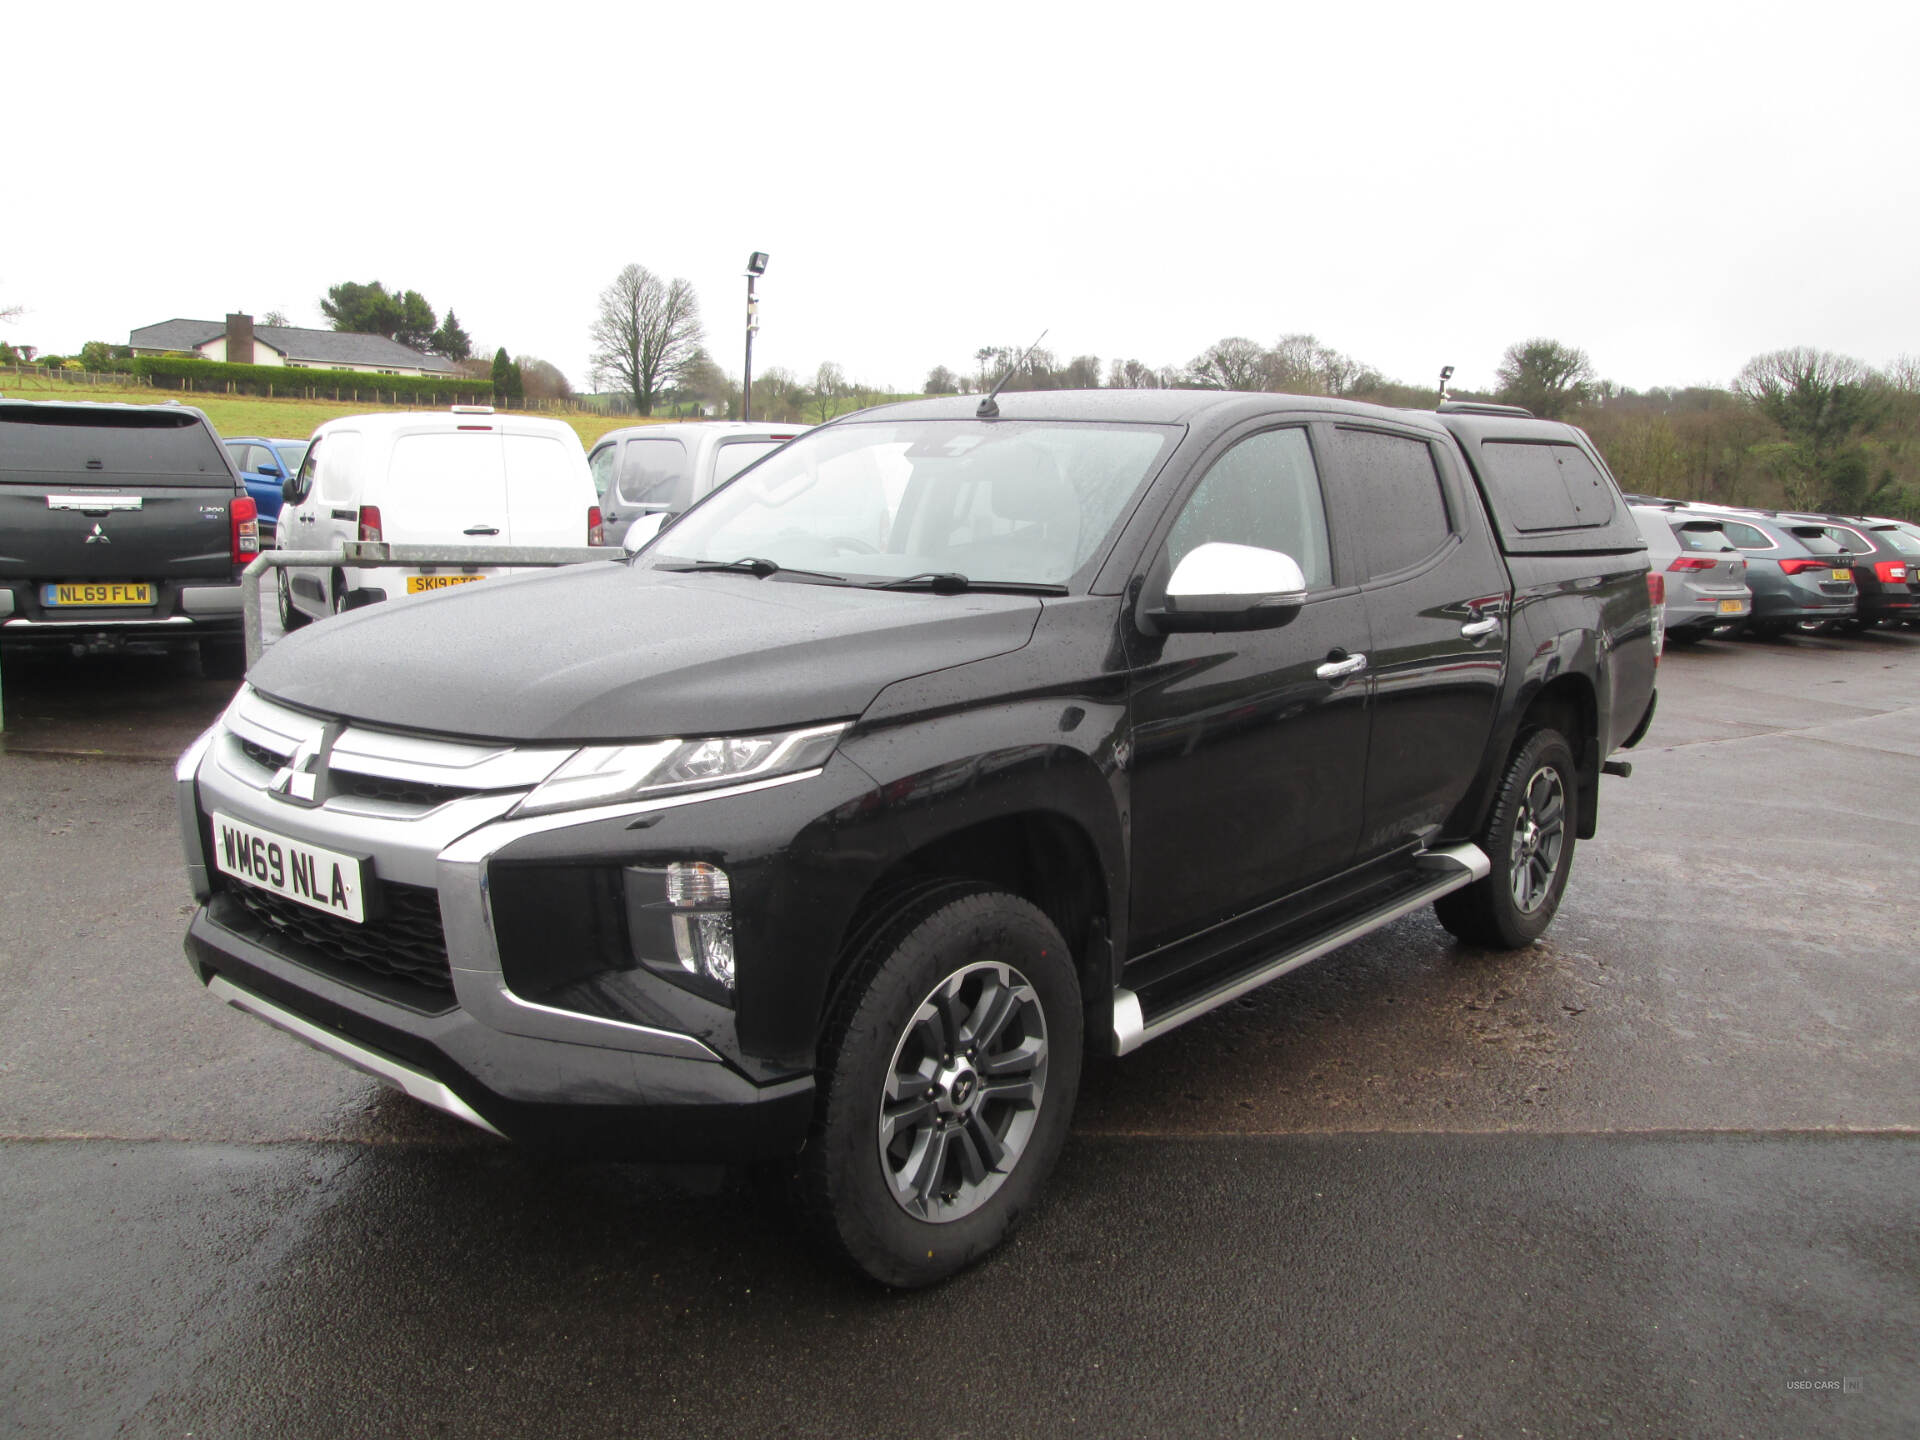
(1132, 375)
(1235, 363)
(647, 335)
(829, 385)
(542, 379)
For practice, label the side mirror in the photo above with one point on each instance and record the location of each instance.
(290, 492)
(271, 472)
(1221, 586)
(642, 530)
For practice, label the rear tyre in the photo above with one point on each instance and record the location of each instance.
(292, 617)
(1529, 839)
(223, 659)
(946, 1085)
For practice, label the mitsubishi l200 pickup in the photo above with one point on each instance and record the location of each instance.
(122, 522)
(952, 742)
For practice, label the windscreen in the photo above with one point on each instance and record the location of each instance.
(1027, 502)
(1701, 535)
(110, 447)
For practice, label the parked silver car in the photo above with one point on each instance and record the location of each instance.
(1705, 572)
(656, 471)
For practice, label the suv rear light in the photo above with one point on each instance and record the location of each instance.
(1800, 567)
(596, 528)
(243, 523)
(1656, 587)
(1692, 562)
(370, 523)
(1891, 572)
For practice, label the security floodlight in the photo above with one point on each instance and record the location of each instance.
(757, 263)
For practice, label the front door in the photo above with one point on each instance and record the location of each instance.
(1248, 760)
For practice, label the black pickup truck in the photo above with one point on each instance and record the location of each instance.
(121, 522)
(945, 745)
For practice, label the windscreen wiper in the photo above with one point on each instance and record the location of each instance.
(752, 565)
(951, 582)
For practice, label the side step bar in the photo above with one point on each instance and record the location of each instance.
(1451, 869)
(420, 1085)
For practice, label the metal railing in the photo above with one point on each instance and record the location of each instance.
(362, 553)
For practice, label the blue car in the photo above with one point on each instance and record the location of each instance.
(265, 465)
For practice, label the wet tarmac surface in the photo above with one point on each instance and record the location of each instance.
(1640, 1178)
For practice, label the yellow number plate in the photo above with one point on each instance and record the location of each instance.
(419, 583)
(1732, 607)
(99, 593)
(1843, 574)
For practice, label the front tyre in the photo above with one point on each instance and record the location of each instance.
(1529, 840)
(948, 1081)
(292, 617)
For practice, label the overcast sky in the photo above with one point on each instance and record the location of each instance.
(1672, 187)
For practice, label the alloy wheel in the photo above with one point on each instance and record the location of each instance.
(963, 1092)
(1539, 835)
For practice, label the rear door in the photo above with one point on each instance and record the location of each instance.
(654, 476)
(548, 487)
(136, 497)
(1436, 594)
(445, 486)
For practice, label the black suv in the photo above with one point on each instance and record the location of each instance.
(948, 743)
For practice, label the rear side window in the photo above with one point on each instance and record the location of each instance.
(1899, 540)
(1747, 537)
(1850, 539)
(736, 455)
(1816, 540)
(110, 447)
(1404, 509)
(1546, 487)
(1701, 535)
(656, 472)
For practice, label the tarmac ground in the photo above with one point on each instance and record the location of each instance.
(1654, 1175)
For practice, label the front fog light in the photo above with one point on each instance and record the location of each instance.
(704, 944)
(680, 921)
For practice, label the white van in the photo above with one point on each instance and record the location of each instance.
(461, 477)
(647, 474)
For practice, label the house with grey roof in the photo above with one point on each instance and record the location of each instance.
(240, 342)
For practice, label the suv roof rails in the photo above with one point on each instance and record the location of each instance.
(1481, 407)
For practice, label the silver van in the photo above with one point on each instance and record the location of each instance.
(657, 471)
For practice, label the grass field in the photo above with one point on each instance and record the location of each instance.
(247, 415)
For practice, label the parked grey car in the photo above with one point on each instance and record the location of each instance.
(659, 470)
(1801, 577)
(1704, 572)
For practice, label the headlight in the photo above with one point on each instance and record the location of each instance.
(608, 774)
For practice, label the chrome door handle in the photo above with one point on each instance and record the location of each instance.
(1341, 669)
(1479, 629)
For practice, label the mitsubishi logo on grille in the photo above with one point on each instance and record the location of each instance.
(99, 536)
(302, 780)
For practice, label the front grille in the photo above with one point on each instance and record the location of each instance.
(260, 755)
(405, 792)
(404, 941)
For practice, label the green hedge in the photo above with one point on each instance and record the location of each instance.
(168, 373)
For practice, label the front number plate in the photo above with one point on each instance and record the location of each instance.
(418, 583)
(97, 593)
(324, 879)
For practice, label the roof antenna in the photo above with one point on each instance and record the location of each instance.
(988, 409)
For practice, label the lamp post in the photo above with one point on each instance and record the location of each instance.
(756, 267)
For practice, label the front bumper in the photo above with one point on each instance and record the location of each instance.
(579, 1098)
(535, 1072)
